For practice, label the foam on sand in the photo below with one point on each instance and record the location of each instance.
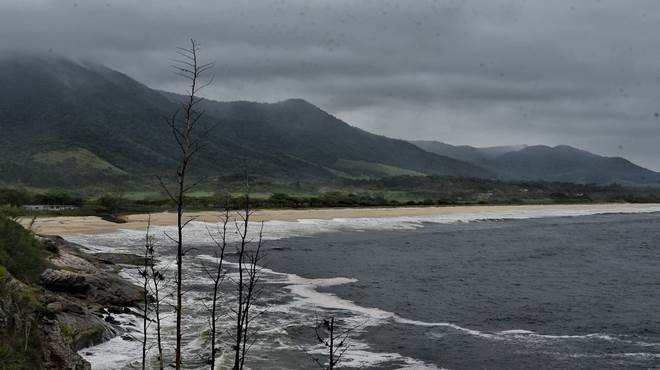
(197, 232)
(95, 225)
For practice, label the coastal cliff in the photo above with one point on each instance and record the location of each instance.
(69, 307)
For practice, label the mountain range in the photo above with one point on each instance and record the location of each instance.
(70, 125)
(65, 122)
(561, 163)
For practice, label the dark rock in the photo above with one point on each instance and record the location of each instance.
(119, 310)
(107, 289)
(71, 307)
(55, 307)
(3, 319)
(51, 239)
(64, 281)
(112, 218)
(92, 333)
(121, 258)
(114, 309)
(60, 336)
(48, 298)
(51, 246)
(101, 288)
(78, 288)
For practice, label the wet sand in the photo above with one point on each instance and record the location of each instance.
(67, 225)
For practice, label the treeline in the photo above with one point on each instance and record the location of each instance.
(12, 200)
(386, 192)
(462, 190)
(20, 197)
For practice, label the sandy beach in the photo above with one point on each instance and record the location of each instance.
(67, 225)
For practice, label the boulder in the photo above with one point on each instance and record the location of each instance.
(121, 259)
(64, 281)
(55, 307)
(73, 308)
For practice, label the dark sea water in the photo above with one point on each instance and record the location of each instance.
(545, 293)
(579, 292)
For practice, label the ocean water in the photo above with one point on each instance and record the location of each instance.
(555, 289)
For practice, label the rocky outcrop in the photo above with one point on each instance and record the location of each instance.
(20, 312)
(64, 281)
(121, 258)
(98, 287)
(80, 291)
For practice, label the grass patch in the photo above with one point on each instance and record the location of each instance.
(79, 158)
(20, 253)
(366, 170)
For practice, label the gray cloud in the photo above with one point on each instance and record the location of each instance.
(488, 72)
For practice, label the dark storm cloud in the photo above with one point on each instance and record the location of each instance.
(584, 73)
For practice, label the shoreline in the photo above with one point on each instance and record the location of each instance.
(72, 225)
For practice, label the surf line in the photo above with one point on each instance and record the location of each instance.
(308, 296)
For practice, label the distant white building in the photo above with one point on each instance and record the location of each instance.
(49, 207)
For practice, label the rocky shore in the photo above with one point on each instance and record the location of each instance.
(81, 292)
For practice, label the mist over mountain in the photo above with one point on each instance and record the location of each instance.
(466, 153)
(539, 162)
(72, 124)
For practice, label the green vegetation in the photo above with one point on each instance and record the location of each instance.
(105, 134)
(539, 162)
(20, 253)
(80, 158)
(19, 197)
(67, 330)
(21, 258)
(20, 310)
(96, 129)
(390, 192)
(368, 170)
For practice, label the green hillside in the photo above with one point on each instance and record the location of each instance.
(79, 126)
(72, 125)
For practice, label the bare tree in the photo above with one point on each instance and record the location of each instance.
(248, 280)
(183, 127)
(252, 293)
(217, 276)
(156, 279)
(152, 278)
(144, 272)
(335, 342)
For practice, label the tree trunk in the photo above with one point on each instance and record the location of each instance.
(332, 343)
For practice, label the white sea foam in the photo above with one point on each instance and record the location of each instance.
(529, 333)
(305, 302)
(117, 352)
(197, 232)
(305, 298)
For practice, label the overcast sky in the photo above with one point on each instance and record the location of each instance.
(584, 73)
